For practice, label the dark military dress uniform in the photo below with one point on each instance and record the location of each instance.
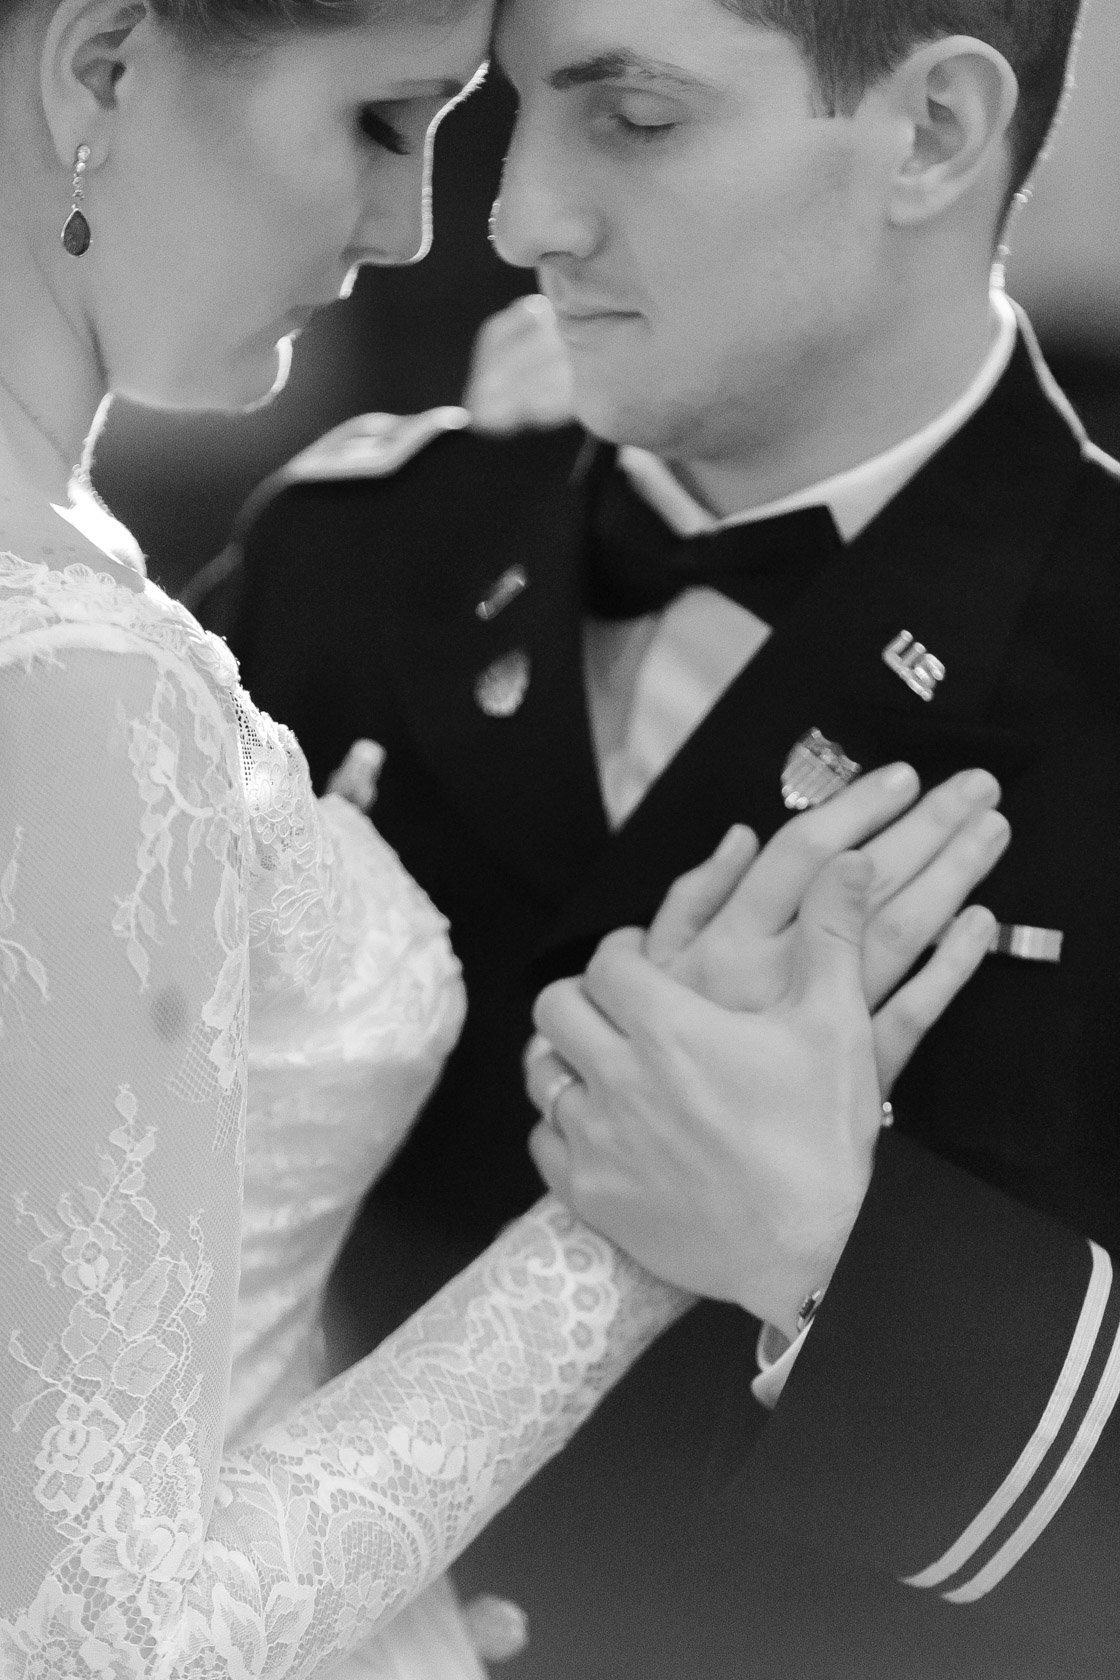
(938, 1490)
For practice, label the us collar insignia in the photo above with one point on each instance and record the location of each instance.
(919, 669)
(816, 769)
(502, 687)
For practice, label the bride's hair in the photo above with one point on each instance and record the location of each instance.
(202, 23)
(219, 22)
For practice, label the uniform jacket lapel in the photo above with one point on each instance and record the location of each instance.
(952, 560)
(525, 783)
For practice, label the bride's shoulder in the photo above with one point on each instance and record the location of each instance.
(58, 581)
(38, 537)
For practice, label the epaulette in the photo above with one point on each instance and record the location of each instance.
(366, 446)
(372, 445)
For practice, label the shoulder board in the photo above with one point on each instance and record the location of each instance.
(367, 446)
(371, 445)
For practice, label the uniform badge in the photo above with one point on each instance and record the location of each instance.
(502, 594)
(919, 669)
(815, 770)
(502, 687)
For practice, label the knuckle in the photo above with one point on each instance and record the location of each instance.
(809, 838)
(893, 931)
(909, 1018)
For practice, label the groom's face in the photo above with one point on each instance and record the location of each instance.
(711, 241)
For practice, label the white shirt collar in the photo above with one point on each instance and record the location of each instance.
(854, 497)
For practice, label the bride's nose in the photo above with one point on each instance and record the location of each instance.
(396, 226)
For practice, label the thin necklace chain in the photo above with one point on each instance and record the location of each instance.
(40, 425)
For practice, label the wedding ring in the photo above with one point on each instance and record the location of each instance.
(552, 1096)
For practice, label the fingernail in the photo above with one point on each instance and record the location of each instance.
(982, 924)
(980, 784)
(993, 827)
(732, 842)
(900, 777)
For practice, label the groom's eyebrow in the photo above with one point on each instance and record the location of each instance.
(623, 65)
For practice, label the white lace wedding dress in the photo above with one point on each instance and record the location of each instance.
(221, 1004)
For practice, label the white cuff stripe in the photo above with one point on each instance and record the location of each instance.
(1078, 1456)
(1029, 1460)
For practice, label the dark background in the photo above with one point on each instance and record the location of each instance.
(402, 342)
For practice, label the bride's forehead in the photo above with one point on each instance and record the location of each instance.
(428, 47)
(427, 24)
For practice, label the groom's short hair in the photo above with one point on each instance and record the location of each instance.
(852, 44)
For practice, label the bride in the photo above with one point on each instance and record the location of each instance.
(221, 1002)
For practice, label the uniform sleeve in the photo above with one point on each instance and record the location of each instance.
(951, 1421)
(129, 1544)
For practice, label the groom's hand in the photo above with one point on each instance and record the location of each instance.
(728, 1151)
(652, 1079)
(728, 929)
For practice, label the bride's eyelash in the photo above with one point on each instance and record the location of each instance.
(381, 131)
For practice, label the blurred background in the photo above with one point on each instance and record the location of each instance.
(403, 341)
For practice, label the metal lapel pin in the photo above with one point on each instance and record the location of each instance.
(815, 769)
(502, 687)
(502, 594)
(919, 669)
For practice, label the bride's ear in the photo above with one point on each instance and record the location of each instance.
(87, 56)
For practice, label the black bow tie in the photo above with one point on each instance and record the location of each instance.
(635, 564)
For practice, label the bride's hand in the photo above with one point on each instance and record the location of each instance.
(727, 930)
(728, 1151)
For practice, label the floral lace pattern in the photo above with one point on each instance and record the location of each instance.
(221, 1003)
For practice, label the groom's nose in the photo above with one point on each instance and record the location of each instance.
(540, 211)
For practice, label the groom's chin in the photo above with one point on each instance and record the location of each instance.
(621, 415)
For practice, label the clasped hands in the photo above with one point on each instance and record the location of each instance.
(730, 1063)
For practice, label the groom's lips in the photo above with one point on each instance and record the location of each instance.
(582, 317)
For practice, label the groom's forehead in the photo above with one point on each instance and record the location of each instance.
(617, 36)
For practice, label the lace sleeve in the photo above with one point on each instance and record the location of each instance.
(128, 1545)
(123, 994)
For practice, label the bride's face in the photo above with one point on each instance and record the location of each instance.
(238, 198)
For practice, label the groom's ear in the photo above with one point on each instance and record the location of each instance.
(955, 99)
(88, 58)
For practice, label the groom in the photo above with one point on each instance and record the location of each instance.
(851, 521)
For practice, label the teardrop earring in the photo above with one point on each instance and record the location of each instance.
(76, 234)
